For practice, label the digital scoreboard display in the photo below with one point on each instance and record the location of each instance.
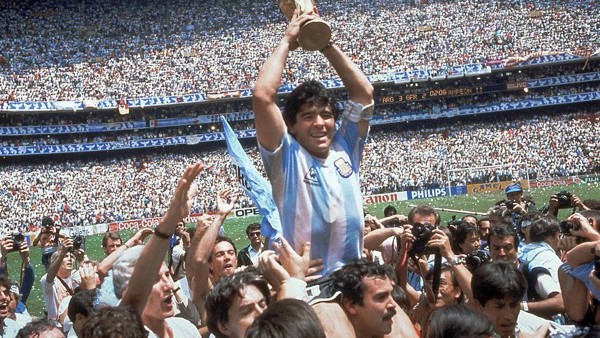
(437, 93)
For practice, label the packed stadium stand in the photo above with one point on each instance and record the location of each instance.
(98, 116)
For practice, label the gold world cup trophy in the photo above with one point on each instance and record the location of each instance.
(315, 34)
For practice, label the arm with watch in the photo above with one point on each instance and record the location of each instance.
(153, 254)
(440, 240)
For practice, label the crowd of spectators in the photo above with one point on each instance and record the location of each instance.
(243, 120)
(98, 191)
(153, 48)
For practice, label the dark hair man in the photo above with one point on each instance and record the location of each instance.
(111, 242)
(121, 321)
(312, 165)
(47, 239)
(366, 297)
(540, 266)
(498, 288)
(299, 318)
(503, 243)
(80, 307)
(249, 255)
(60, 281)
(390, 210)
(466, 238)
(484, 230)
(8, 327)
(234, 302)
(40, 328)
(386, 240)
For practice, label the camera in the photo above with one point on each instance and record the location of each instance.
(597, 266)
(454, 222)
(476, 258)
(566, 226)
(17, 239)
(510, 204)
(422, 233)
(78, 242)
(564, 199)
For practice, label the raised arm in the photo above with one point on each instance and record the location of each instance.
(359, 88)
(108, 261)
(270, 126)
(200, 255)
(463, 276)
(153, 254)
(67, 246)
(375, 238)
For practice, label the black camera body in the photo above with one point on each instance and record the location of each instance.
(476, 258)
(454, 222)
(597, 266)
(566, 226)
(18, 239)
(78, 242)
(564, 199)
(510, 204)
(422, 233)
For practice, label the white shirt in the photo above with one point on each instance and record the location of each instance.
(181, 328)
(254, 254)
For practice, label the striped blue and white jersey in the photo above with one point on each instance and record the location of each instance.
(319, 200)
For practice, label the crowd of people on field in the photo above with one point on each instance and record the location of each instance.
(158, 49)
(515, 272)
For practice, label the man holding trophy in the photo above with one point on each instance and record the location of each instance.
(312, 166)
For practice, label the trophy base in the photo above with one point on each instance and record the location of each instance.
(314, 35)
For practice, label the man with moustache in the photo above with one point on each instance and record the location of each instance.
(372, 310)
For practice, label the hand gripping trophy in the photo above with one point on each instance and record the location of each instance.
(315, 34)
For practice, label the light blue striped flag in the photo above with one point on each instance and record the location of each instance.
(254, 184)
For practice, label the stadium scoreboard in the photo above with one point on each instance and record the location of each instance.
(412, 94)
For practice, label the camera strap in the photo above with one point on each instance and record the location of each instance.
(69, 290)
(431, 292)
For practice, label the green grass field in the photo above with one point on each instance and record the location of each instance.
(235, 228)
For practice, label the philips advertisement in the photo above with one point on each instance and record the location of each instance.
(439, 192)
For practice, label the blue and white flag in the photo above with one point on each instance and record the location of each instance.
(254, 184)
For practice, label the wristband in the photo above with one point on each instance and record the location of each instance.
(525, 306)
(161, 234)
(127, 246)
(355, 112)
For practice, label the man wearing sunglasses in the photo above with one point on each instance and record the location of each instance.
(249, 255)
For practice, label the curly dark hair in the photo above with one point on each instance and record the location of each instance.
(287, 318)
(313, 92)
(221, 296)
(36, 327)
(349, 278)
(109, 322)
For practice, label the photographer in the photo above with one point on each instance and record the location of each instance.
(48, 239)
(454, 281)
(20, 294)
(61, 279)
(564, 200)
(575, 276)
(515, 201)
(540, 267)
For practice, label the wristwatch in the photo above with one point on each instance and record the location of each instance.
(456, 261)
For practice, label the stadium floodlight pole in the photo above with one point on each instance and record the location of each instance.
(467, 212)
